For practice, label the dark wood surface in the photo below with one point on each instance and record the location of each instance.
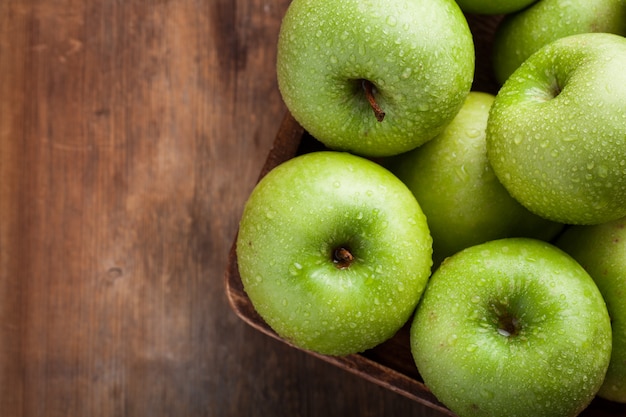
(131, 133)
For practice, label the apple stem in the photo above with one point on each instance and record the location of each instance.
(342, 258)
(368, 87)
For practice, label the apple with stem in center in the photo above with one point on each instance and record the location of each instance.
(512, 327)
(556, 133)
(374, 78)
(334, 252)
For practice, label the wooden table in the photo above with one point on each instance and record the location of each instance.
(131, 133)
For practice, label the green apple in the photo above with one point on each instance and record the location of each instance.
(334, 252)
(556, 134)
(493, 6)
(462, 199)
(521, 34)
(601, 250)
(512, 327)
(374, 78)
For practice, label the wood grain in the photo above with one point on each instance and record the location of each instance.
(131, 133)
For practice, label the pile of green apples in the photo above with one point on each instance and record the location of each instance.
(493, 224)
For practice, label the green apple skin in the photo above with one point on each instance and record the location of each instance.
(418, 54)
(492, 7)
(601, 250)
(453, 182)
(556, 134)
(294, 221)
(512, 327)
(521, 34)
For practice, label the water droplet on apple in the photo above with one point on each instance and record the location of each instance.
(461, 172)
(487, 394)
(476, 299)
(407, 72)
(392, 21)
(269, 214)
(471, 348)
(336, 184)
(423, 107)
(601, 204)
(473, 133)
(258, 278)
(504, 333)
(518, 139)
(295, 269)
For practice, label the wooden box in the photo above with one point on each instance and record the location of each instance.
(389, 364)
